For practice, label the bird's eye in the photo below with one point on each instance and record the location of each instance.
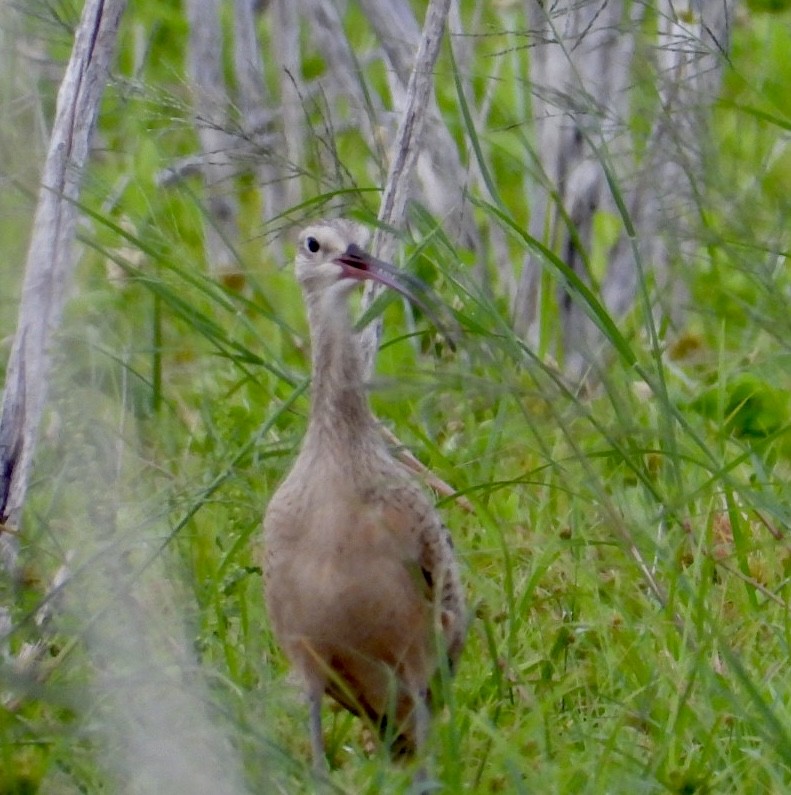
(312, 244)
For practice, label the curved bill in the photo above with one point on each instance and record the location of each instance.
(359, 264)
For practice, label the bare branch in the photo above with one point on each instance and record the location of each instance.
(398, 33)
(689, 60)
(257, 112)
(50, 258)
(344, 81)
(211, 111)
(439, 167)
(392, 212)
(582, 70)
(286, 51)
(579, 71)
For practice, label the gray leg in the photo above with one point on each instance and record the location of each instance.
(315, 693)
(420, 782)
(421, 721)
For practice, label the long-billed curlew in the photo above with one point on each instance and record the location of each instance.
(362, 583)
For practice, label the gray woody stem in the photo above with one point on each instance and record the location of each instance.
(50, 257)
(392, 212)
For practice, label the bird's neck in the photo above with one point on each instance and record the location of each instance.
(339, 404)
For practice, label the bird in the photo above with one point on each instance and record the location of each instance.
(362, 583)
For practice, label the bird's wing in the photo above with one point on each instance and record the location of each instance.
(440, 571)
(432, 559)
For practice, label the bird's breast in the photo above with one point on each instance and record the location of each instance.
(342, 572)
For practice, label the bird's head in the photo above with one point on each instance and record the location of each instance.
(331, 257)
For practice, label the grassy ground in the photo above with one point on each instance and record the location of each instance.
(627, 557)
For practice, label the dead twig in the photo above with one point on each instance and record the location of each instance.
(50, 257)
(392, 211)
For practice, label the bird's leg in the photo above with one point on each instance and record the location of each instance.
(420, 781)
(315, 692)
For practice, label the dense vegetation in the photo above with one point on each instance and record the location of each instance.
(627, 554)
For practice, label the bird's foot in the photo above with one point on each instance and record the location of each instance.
(423, 784)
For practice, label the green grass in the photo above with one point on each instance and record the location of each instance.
(627, 560)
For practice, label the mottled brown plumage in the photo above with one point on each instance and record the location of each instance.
(362, 584)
